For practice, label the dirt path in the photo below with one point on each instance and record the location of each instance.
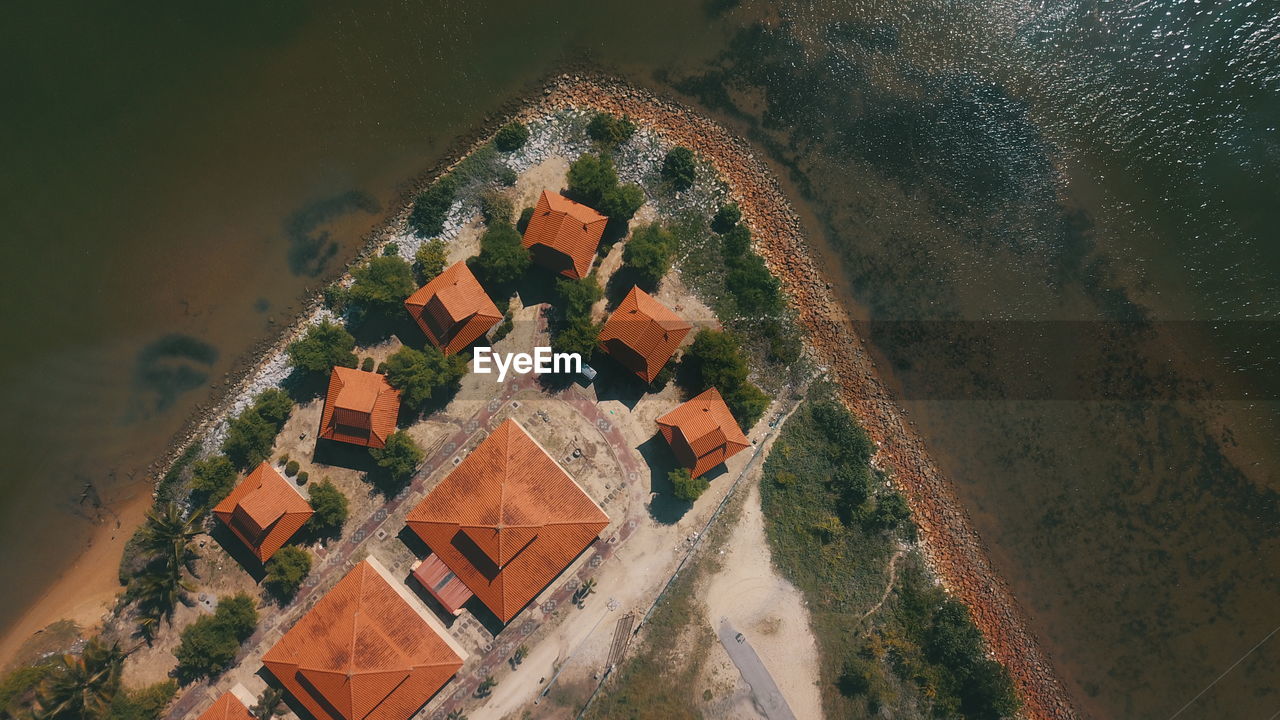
(888, 586)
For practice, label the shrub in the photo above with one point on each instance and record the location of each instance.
(572, 330)
(621, 202)
(285, 572)
(735, 243)
(367, 365)
(715, 360)
(678, 168)
(146, 703)
(511, 137)
(209, 645)
(523, 223)
(496, 208)
(431, 207)
(212, 479)
(687, 487)
(423, 375)
(251, 434)
(726, 218)
(610, 130)
(330, 511)
(391, 249)
(590, 177)
(323, 346)
(303, 477)
(891, 509)
(291, 469)
(381, 286)
(502, 259)
(430, 260)
(400, 458)
(648, 255)
(753, 287)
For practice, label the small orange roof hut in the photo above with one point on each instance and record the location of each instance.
(453, 310)
(226, 707)
(364, 652)
(264, 511)
(563, 235)
(643, 334)
(702, 432)
(360, 408)
(507, 520)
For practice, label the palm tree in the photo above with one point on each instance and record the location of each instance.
(167, 538)
(82, 688)
(588, 587)
(456, 715)
(268, 704)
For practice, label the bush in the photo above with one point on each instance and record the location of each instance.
(147, 703)
(621, 202)
(687, 487)
(381, 286)
(523, 223)
(367, 365)
(678, 168)
(209, 645)
(330, 511)
(431, 207)
(511, 137)
(735, 243)
(648, 256)
(303, 477)
(590, 177)
(572, 330)
(323, 346)
(715, 360)
(423, 375)
(212, 479)
(430, 260)
(726, 218)
(251, 434)
(891, 509)
(391, 249)
(400, 458)
(291, 468)
(285, 572)
(753, 287)
(502, 259)
(610, 130)
(496, 208)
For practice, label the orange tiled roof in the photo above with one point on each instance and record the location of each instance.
(363, 652)
(643, 334)
(508, 520)
(360, 408)
(453, 310)
(264, 511)
(226, 707)
(563, 235)
(702, 432)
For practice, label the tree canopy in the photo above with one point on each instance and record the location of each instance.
(502, 259)
(251, 434)
(212, 479)
(285, 572)
(678, 168)
(431, 207)
(399, 459)
(329, 508)
(381, 286)
(423, 375)
(323, 346)
(715, 360)
(590, 177)
(610, 130)
(687, 487)
(430, 260)
(209, 645)
(572, 330)
(726, 218)
(648, 255)
(511, 137)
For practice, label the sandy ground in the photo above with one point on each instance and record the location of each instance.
(766, 608)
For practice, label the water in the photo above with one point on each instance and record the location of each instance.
(1035, 205)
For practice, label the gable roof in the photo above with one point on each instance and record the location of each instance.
(507, 520)
(264, 511)
(563, 235)
(702, 432)
(643, 334)
(360, 408)
(364, 652)
(226, 707)
(452, 309)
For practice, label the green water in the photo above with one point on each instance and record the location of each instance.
(175, 178)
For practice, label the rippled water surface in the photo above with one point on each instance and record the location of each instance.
(1060, 219)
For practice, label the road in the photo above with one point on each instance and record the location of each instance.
(768, 696)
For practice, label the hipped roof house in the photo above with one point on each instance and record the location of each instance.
(643, 334)
(263, 511)
(702, 432)
(452, 309)
(563, 235)
(360, 408)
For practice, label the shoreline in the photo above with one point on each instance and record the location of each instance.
(952, 546)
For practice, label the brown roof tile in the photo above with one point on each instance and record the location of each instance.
(643, 334)
(360, 408)
(226, 707)
(507, 520)
(363, 652)
(563, 235)
(264, 511)
(702, 432)
(453, 310)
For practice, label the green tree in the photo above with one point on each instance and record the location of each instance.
(610, 130)
(735, 243)
(423, 375)
(329, 508)
(273, 405)
(496, 208)
(251, 434)
(430, 260)
(988, 692)
(209, 645)
(715, 360)
(212, 479)
(648, 255)
(891, 509)
(430, 208)
(590, 177)
(511, 137)
(575, 297)
(502, 259)
(579, 336)
(166, 541)
(753, 287)
(687, 487)
(678, 168)
(285, 572)
(400, 458)
(486, 686)
(82, 687)
(381, 286)
(322, 347)
(621, 202)
(572, 330)
(726, 218)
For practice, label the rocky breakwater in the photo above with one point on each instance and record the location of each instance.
(953, 547)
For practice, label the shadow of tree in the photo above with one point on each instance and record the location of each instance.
(664, 507)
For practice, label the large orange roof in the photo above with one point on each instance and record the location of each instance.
(453, 310)
(563, 235)
(702, 432)
(507, 520)
(364, 652)
(360, 408)
(226, 707)
(643, 334)
(264, 511)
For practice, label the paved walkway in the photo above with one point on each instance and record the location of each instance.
(768, 696)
